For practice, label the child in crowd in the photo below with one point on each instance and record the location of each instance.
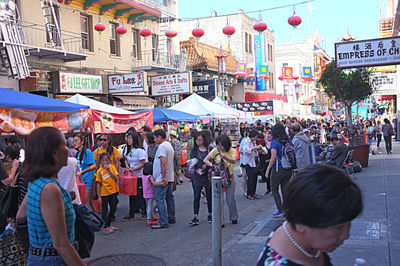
(148, 192)
(107, 188)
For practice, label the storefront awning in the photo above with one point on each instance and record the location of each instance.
(130, 102)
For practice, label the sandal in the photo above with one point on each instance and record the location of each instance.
(250, 198)
(107, 231)
(150, 223)
(155, 219)
(114, 228)
(255, 196)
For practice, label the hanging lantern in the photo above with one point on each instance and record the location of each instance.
(100, 27)
(296, 77)
(260, 27)
(228, 30)
(280, 78)
(251, 76)
(198, 32)
(171, 33)
(145, 32)
(294, 20)
(121, 29)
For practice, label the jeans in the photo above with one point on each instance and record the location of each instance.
(149, 208)
(197, 195)
(105, 214)
(162, 195)
(379, 139)
(280, 178)
(137, 203)
(388, 142)
(45, 260)
(251, 180)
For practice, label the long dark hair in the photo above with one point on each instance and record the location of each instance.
(279, 134)
(206, 140)
(84, 147)
(135, 142)
(41, 146)
(110, 147)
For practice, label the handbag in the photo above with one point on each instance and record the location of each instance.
(15, 246)
(9, 202)
(220, 169)
(128, 183)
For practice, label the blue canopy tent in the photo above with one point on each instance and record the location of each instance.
(22, 100)
(161, 115)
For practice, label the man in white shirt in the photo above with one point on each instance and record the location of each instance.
(66, 178)
(163, 171)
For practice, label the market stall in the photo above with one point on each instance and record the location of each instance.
(21, 112)
(163, 115)
(110, 119)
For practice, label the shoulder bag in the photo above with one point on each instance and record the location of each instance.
(220, 169)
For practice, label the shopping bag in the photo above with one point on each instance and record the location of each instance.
(183, 158)
(82, 189)
(128, 183)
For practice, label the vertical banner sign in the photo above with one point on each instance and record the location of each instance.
(242, 69)
(259, 60)
(287, 72)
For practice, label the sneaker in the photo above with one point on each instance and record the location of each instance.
(278, 214)
(128, 217)
(234, 221)
(209, 219)
(194, 221)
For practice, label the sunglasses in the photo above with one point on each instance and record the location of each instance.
(103, 139)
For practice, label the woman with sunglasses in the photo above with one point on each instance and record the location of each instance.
(106, 146)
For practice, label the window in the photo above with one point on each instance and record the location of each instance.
(246, 42)
(154, 47)
(52, 37)
(135, 44)
(114, 40)
(250, 49)
(271, 81)
(86, 32)
(285, 65)
(269, 52)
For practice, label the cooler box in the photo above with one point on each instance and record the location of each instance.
(128, 183)
(82, 189)
(183, 158)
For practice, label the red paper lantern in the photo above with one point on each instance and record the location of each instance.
(280, 78)
(99, 27)
(228, 30)
(171, 33)
(260, 26)
(145, 32)
(296, 77)
(121, 29)
(197, 32)
(294, 21)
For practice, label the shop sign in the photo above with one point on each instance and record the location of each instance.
(117, 123)
(80, 83)
(135, 82)
(374, 52)
(205, 88)
(168, 100)
(171, 84)
(38, 81)
(386, 97)
(259, 108)
(385, 83)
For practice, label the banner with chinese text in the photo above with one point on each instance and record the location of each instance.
(117, 123)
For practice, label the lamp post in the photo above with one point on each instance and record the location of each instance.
(222, 71)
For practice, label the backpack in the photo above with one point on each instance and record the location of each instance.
(288, 156)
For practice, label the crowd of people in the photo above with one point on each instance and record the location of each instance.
(46, 175)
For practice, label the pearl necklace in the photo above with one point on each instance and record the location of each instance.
(297, 245)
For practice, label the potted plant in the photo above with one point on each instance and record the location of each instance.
(349, 87)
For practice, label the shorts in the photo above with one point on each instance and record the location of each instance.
(88, 180)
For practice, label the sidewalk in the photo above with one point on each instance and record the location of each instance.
(374, 236)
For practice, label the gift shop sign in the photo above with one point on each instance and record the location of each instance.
(79, 83)
(375, 52)
(135, 82)
(171, 84)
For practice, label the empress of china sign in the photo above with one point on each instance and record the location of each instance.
(375, 52)
(79, 83)
(171, 84)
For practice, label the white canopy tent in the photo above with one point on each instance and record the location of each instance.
(96, 105)
(203, 108)
(241, 114)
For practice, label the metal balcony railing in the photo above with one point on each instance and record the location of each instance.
(159, 59)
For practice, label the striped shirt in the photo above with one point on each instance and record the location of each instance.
(39, 235)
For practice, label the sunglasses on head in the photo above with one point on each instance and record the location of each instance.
(103, 139)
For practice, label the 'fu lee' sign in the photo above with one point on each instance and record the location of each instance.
(367, 53)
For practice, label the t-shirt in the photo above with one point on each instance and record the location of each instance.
(134, 157)
(66, 178)
(115, 154)
(231, 154)
(278, 147)
(108, 184)
(164, 150)
(87, 161)
(151, 152)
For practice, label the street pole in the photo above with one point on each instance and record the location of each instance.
(222, 88)
(216, 220)
(314, 158)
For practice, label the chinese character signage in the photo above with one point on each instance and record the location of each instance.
(171, 84)
(259, 108)
(259, 59)
(205, 88)
(287, 72)
(375, 52)
(135, 82)
(80, 83)
(117, 123)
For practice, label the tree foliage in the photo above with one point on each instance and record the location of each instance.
(346, 86)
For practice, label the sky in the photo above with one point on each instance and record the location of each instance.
(329, 17)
